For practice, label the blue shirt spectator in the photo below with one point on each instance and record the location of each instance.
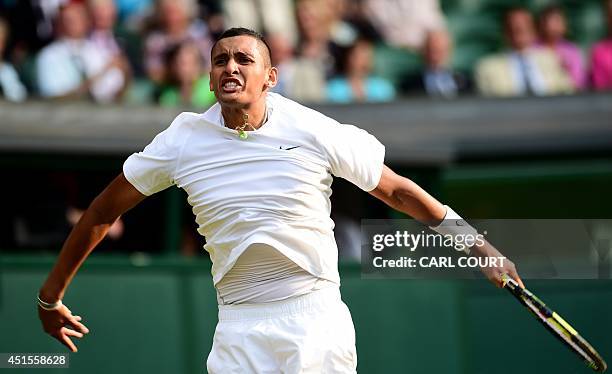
(375, 89)
(355, 82)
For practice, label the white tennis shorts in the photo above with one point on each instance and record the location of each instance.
(313, 333)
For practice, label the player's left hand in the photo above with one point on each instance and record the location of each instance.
(494, 273)
(62, 324)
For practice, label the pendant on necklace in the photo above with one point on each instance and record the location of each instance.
(241, 133)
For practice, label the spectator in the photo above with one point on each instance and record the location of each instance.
(298, 78)
(355, 82)
(177, 23)
(405, 23)
(524, 69)
(553, 28)
(341, 31)
(10, 85)
(186, 81)
(72, 66)
(355, 13)
(211, 11)
(601, 57)
(315, 18)
(32, 25)
(266, 16)
(437, 79)
(104, 16)
(131, 11)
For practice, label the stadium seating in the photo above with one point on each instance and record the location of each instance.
(476, 28)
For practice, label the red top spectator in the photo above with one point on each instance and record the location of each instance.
(601, 58)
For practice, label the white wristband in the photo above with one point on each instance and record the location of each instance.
(457, 228)
(49, 306)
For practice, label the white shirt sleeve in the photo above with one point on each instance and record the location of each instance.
(153, 169)
(354, 154)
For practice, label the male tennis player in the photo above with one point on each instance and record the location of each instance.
(257, 168)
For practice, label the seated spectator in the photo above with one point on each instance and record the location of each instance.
(298, 78)
(73, 67)
(10, 85)
(355, 82)
(315, 18)
(553, 28)
(601, 57)
(355, 14)
(32, 26)
(104, 17)
(405, 23)
(341, 31)
(264, 16)
(186, 81)
(130, 11)
(525, 69)
(437, 78)
(211, 11)
(177, 23)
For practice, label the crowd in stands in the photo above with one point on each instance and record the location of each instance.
(158, 51)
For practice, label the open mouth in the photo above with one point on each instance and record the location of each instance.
(230, 85)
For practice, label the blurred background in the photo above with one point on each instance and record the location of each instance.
(500, 108)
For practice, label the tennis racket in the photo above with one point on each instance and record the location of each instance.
(556, 325)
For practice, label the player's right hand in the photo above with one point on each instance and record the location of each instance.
(495, 273)
(61, 324)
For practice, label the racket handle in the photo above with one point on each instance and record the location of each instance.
(505, 278)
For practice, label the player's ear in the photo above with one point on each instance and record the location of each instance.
(272, 77)
(210, 83)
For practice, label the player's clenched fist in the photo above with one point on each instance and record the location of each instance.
(61, 324)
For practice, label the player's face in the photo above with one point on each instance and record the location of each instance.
(240, 73)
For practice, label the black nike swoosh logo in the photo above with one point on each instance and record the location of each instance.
(289, 148)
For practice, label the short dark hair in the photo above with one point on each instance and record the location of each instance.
(511, 11)
(171, 54)
(550, 10)
(239, 31)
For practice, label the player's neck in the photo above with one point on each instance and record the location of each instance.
(235, 117)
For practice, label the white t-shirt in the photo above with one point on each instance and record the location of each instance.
(272, 188)
(262, 275)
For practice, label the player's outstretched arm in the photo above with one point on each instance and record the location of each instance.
(404, 195)
(57, 320)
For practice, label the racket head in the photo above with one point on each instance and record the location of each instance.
(556, 325)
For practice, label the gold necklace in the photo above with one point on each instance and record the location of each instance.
(241, 133)
(245, 117)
